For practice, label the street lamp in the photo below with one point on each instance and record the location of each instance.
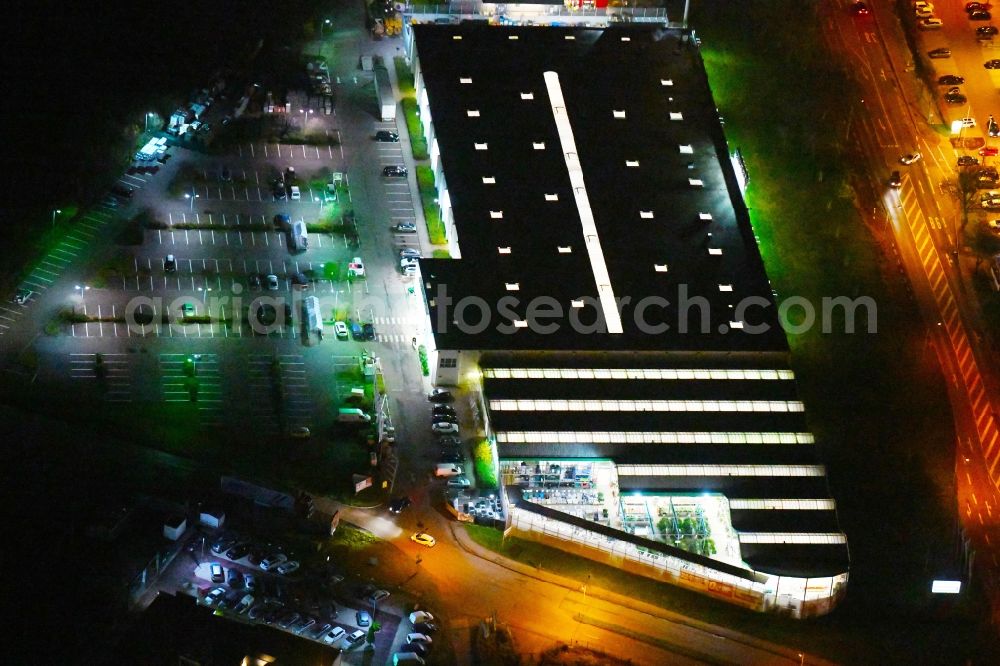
(54, 213)
(146, 120)
(322, 27)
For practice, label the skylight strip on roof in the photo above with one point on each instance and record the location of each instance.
(567, 405)
(782, 504)
(721, 470)
(605, 293)
(638, 373)
(650, 437)
(793, 537)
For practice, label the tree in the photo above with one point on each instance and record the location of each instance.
(984, 243)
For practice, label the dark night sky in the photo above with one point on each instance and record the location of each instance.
(76, 72)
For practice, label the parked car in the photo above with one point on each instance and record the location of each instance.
(238, 551)
(939, 53)
(250, 582)
(234, 578)
(378, 595)
(320, 629)
(216, 594)
(451, 457)
(304, 625)
(895, 180)
(980, 15)
(122, 191)
(444, 418)
(254, 281)
(334, 635)
(989, 151)
(405, 228)
(932, 23)
(356, 636)
(409, 253)
(385, 135)
(425, 627)
(356, 267)
(419, 649)
(356, 331)
(417, 637)
(460, 481)
(955, 99)
(340, 330)
(986, 30)
(967, 160)
(363, 618)
(287, 567)
(169, 263)
(273, 561)
(440, 395)
(216, 572)
(395, 171)
(951, 80)
(992, 64)
(444, 428)
(22, 296)
(910, 158)
(272, 282)
(288, 619)
(421, 616)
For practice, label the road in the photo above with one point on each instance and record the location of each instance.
(892, 119)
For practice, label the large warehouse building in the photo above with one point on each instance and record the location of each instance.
(607, 301)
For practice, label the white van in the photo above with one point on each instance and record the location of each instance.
(406, 658)
(447, 469)
(353, 415)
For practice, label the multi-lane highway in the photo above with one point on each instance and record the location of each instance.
(894, 117)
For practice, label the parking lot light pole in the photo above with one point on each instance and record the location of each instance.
(192, 197)
(323, 25)
(54, 213)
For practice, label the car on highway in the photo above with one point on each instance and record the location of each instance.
(423, 539)
(410, 253)
(992, 64)
(334, 635)
(440, 395)
(989, 151)
(340, 330)
(951, 80)
(444, 428)
(967, 160)
(394, 171)
(910, 158)
(895, 180)
(399, 504)
(272, 561)
(860, 9)
(932, 23)
(288, 567)
(939, 53)
(363, 619)
(386, 136)
(980, 15)
(405, 228)
(987, 30)
(272, 282)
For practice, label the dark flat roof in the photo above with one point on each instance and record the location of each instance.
(598, 73)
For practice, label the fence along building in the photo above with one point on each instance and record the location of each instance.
(607, 298)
